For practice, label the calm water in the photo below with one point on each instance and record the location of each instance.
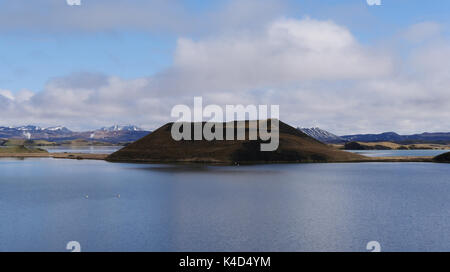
(83, 149)
(394, 153)
(295, 207)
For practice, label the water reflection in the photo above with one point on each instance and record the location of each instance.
(285, 207)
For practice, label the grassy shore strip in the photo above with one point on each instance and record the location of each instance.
(74, 156)
(400, 159)
(25, 155)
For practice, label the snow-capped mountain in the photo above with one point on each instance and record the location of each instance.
(113, 134)
(322, 135)
(122, 128)
(118, 133)
(29, 128)
(33, 132)
(327, 137)
(34, 128)
(58, 128)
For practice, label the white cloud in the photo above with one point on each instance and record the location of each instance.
(7, 94)
(287, 51)
(423, 31)
(316, 71)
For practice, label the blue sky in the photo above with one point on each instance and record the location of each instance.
(29, 62)
(31, 57)
(46, 42)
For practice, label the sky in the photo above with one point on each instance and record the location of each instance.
(342, 65)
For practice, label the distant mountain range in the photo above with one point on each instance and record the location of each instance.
(130, 133)
(427, 137)
(114, 134)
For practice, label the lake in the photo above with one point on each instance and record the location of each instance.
(45, 203)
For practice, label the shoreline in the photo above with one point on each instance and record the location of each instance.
(424, 159)
(103, 157)
(401, 159)
(73, 156)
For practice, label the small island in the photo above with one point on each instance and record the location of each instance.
(294, 147)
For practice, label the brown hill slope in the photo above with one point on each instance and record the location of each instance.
(442, 158)
(294, 146)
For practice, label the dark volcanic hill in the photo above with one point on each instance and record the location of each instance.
(294, 146)
(443, 158)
